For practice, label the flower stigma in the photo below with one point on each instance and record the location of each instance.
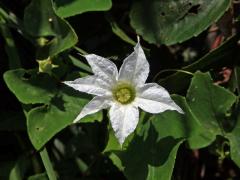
(124, 93)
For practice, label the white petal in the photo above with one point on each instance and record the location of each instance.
(103, 67)
(155, 99)
(124, 119)
(96, 104)
(135, 67)
(91, 85)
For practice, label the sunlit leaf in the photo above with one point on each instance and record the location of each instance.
(30, 88)
(45, 121)
(66, 8)
(61, 105)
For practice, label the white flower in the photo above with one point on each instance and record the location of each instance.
(123, 92)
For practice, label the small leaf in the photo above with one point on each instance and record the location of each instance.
(55, 34)
(169, 22)
(66, 8)
(30, 89)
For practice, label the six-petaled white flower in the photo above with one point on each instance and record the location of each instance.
(123, 92)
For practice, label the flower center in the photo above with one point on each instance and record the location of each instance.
(124, 93)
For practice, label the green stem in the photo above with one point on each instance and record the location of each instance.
(47, 164)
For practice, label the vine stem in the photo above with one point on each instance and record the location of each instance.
(47, 164)
(172, 70)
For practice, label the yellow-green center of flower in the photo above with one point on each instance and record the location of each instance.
(124, 93)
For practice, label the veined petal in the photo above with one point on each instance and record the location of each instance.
(124, 119)
(96, 104)
(135, 67)
(91, 85)
(103, 67)
(155, 99)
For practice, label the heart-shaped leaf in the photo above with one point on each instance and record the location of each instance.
(209, 103)
(45, 121)
(61, 104)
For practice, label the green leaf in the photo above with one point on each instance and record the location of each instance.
(38, 88)
(209, 103)
(45, 121)
(61, 105)
(150, 156)
(66, 8)
(170, 21)
(160, 133)
(55, 34)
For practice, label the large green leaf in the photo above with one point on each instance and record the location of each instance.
(185, 126)
(66, 8)
(46, 121)
(172, 21)
(61, 105)
(150, 156)
(30, 89)
(209, 103)
(55, 34)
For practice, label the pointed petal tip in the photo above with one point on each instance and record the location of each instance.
(83, 55)
(180, 111)
(66, 83)
(75, 121)
(138, 39)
